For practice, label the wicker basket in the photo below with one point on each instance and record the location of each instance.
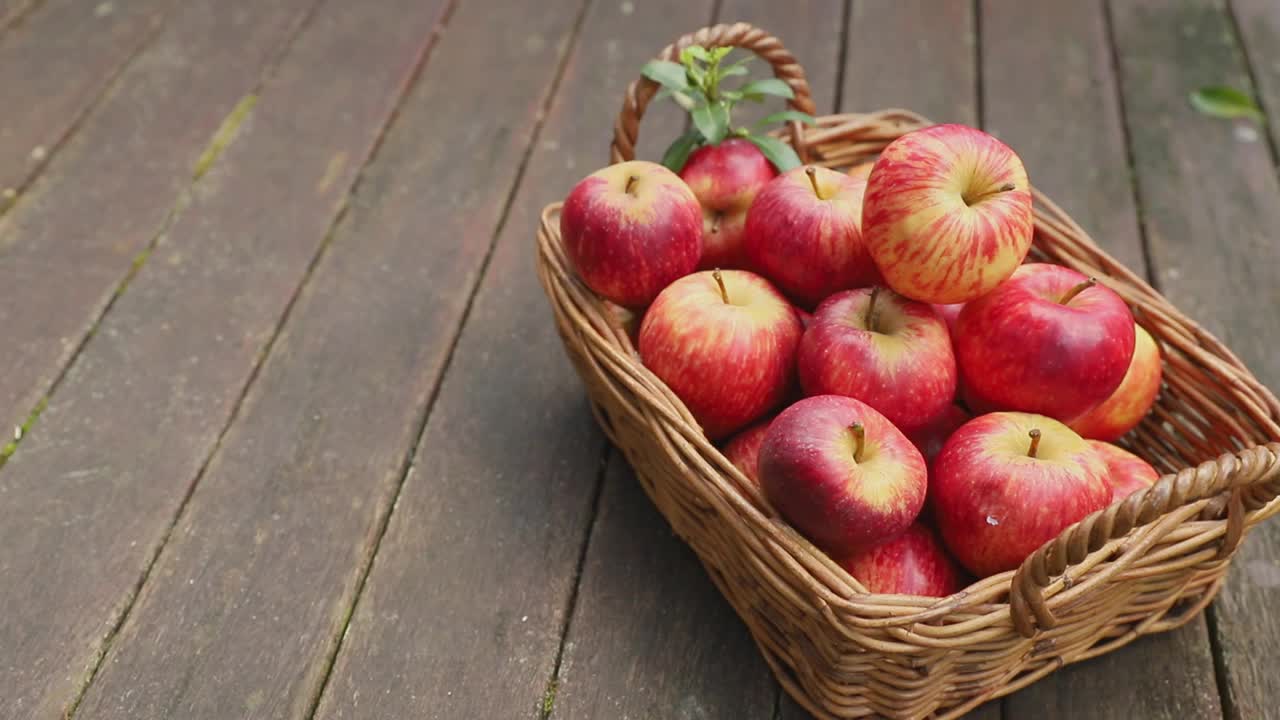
(1145, 564)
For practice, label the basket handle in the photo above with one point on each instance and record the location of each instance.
(741, 35)
(1251, 476)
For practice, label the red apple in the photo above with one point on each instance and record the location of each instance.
(913, 563)
(1048, 341)
(806, 317)
(803, 233)
(726, 178)
(883, 349)
(930, 438)
(841, 473)
(630, 229)
(949, 314)
(1007, 483)
(947, 215)
(725, 343)
(1130, 402)
(862, 170)
(743, 449)
(1126, 473)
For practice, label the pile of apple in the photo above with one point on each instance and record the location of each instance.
(943, 399)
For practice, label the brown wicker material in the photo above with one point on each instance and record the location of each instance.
(1146, 564)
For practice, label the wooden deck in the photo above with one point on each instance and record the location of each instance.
(300, 440)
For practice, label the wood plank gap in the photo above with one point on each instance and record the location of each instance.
(13, 195)
(407, 466)
(140, 260)
(549, 695)
(1148, 265)
(1229, 709)
(1255, 89)
(842, 57)
(979, 101)
(259, 361)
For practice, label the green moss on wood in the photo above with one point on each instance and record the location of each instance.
(225, 134)
(12, 446)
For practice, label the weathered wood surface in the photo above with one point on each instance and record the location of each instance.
(71, 240)
(1211, 205)
(91, 494)
(53, 67)
(11, 11)
(1049, 84)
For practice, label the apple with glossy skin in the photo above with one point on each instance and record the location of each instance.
(726, 178)
(725, 343)
(743, 449)
(862, 170)
(892, 353)
(803, 233)
(950, 314)
(930, 438)
(1125, 408)
(841, 473)
(1007, 483)
(631, 229)
(1049, 341)
(1126, 473)
(913, 563)
(947, 214)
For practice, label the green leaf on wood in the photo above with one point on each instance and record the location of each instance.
(677, 153)
(776, 151)
(712, 120)
(666, 74)
(768, 86)
(1225, 102)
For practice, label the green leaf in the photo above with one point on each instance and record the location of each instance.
(733, 70)
(712, 121)
(768, 86)
(787, 116)
(678, 151)
(666, 74)
(695, 51)
(777, 152)
(1225, 102)
(718, 54)
(731, 95)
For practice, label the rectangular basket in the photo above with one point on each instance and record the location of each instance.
(1145, 564)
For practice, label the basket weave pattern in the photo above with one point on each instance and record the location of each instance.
(1145, 564)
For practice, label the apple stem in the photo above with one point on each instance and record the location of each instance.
(631, 181)
(871, 309)
(860, 438)
(715, 222)
(1035, 442)
(812, 172)
(1007, 187)
(724, 294)
(1077, 290)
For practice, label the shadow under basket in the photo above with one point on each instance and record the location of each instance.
(1145, 564)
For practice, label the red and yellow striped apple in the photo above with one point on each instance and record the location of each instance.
(841, 473)
(726, 178)
(1006, 483)
(913, 563)
(1125, 408)
(892, 353)
(630, 229)
(803, 233)
(947, 213)
(725, 343)
(1126, 473)
(1048, 340)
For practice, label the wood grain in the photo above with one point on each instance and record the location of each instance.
(54, 66)
(810, 29)
(69, 242)
(11, 10)
(914, 54)
(1258, 22)
(650, 635)
(91, 494)
(1211, 204)
(509, 461)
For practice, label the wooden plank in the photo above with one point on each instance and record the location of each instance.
(54, 66)
(284, 583)
(93, 491)
(1047, 73)
(914, 54)
(509, 461)
(1211, 203)
(1258, 22)
(650, 635)
(69, 242)
(12, 10)
(810, 29)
